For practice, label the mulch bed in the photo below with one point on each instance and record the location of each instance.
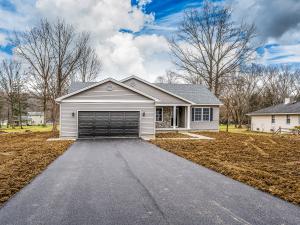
(171, 135)
(23, 156)
(266, 162)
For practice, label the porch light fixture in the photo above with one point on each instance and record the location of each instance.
(73, 114)
(144, 114)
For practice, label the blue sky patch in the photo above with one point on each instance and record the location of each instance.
(7, 5)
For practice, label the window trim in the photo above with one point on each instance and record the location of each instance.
(201, 118)
(162, 114)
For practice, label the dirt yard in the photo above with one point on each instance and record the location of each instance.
(269, 163)
(23, 156)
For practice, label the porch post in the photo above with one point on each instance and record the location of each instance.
(189, 117)
(174, 117)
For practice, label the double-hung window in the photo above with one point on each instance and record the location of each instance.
(273, 119)
(288, 119)
(201, 114)
(159, 114)
(205, 114)
(197, 114)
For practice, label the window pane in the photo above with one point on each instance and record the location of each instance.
(197, 114)
(273, 118)
(205, 114)
(159, 114)
(288, 119)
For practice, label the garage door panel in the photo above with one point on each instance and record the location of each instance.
(104, 123)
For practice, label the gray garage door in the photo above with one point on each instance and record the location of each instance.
(103, 124)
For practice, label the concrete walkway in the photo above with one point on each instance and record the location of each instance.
(131, 182)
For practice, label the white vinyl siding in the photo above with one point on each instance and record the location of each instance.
(262, 122)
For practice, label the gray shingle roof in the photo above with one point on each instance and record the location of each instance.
(75, 86)
(281, 108)
(193, 92)
(196, 93)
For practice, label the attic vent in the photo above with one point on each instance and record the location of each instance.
(109, 87)
(132, 84)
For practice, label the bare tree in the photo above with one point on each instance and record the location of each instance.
(170, 78)
(209, 46)
(12, 83)
(279, 83)
(67, 48)
(89, 66)
(34, 47)
(55, 53)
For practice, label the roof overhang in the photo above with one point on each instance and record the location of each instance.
(269, 114)
(61, 99)
(155, 86)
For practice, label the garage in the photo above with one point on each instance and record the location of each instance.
(93, 124)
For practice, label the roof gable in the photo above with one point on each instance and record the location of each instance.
(151, 89)
(91, 93)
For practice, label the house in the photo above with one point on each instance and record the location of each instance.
(135, 107)
(270, 119)
(37, 118)
(24, 119)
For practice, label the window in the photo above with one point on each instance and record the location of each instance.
(288, 119)
(197, 114)
(159, 114)
(206, 114)
(201, 114)
(273, 118)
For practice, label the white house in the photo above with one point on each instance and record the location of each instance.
(36, 118)
(270, 119)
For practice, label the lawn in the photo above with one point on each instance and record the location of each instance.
(232, 128)
(266, 162)
(23, 156)
(27, 128)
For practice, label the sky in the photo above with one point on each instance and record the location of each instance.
(130, 36)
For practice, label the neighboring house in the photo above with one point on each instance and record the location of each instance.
(135, 107)
(37, 118)
(25, 121)
(285, 115)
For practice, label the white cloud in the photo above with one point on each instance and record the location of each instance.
(122, 53)
(3, 40)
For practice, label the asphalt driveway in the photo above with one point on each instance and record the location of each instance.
(129, 181)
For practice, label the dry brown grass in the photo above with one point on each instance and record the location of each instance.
(171, 135)
(23, 156)
(269, 163)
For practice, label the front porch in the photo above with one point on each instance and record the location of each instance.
(173, 117)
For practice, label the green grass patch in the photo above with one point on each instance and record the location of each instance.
(27, 128)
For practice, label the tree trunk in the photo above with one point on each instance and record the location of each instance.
(12, 124)
(227, 123)
(44, 110)
(20, 113)
(55, 116)
(7, 123)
